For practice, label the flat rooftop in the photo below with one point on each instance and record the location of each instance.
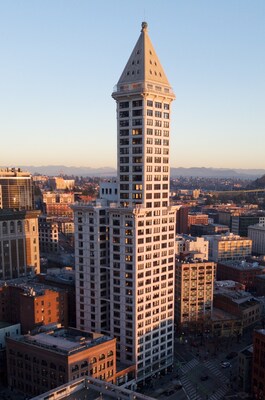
(64, 341)
(91, 389)
(29, 286)
(242, 265)
(4, 324)
(218, 314)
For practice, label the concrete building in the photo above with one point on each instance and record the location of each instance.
(19, 243)
(194, 284)
(16, 189)
(54, 356)
(228, 247)
(240, 271)
(258, 370)
(257, 234)
(125, 252)
(32, 304)
(48, 234)
(109, 190)
(188, 243)
(240, 223)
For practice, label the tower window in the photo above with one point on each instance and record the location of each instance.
(124, 104)
(137, 103)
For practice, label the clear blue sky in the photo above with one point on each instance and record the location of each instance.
(59, 61)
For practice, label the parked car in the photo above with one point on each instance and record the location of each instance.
(225, 364)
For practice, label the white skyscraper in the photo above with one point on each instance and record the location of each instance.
(125, 250)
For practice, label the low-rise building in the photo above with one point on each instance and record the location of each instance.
(240, 271)
(54, 356)
(197, 218)
(228, 247)
(225, 324)
(240, 304)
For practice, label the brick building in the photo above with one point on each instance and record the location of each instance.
(240, 304)
(240, 271)
(32, 305)
(58, 204)
(55, 356)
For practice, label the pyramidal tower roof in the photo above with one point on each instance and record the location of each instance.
(143, 65)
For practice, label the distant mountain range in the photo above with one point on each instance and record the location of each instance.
(258, 183)
(53, 170)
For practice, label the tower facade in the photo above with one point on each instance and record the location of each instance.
(127, 285)
(16, 189)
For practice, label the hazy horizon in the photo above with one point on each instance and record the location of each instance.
(61, 60)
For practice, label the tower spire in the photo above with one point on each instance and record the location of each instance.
(143, 67)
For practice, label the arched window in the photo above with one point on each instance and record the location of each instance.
(4, 227)
(19, 226)
(102, 357)
(110, 353)
(12, 227)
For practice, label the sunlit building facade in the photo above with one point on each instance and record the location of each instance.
(125, 250)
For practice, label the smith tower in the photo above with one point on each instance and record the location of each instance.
(143, 96)
(125, 250)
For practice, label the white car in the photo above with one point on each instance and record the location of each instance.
(225, 364)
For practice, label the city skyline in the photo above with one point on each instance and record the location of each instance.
(60, 63)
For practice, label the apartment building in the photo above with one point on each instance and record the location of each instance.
(194, 285)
